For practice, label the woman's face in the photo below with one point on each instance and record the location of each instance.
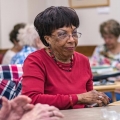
(110, 40)
(62, 42)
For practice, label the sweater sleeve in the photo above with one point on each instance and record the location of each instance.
(89, 85)
(33, 85)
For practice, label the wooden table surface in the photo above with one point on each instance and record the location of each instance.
(87, 113)
(107, 88)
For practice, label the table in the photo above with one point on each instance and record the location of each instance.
(108, 88)
(115, 103)
(87, 113)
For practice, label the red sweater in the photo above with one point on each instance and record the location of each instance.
(44, 82)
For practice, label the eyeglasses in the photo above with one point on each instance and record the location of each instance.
(64, 36)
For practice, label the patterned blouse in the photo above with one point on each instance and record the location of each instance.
(21, 56)
(102, 56)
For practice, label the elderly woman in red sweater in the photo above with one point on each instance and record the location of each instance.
(57, 75)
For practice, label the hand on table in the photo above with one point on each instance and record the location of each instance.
(20, 109)
(43, 112)
(92, 97)
(15, 108)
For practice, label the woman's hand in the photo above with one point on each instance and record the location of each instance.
(92, 97)
(43, 112)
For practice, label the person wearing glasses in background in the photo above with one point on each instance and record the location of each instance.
(108, 53)
(57, 75)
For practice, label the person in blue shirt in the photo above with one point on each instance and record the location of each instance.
(30, 41)
(15, 41)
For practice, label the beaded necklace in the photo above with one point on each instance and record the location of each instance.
(60, 65)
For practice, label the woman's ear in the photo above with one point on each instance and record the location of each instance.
(47, 38)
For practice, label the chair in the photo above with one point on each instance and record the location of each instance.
(10, 82)
(1, 57)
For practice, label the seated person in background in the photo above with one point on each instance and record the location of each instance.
(30, 41)
(109, 53)
(20, 109)
(16, 48)
(57, 75)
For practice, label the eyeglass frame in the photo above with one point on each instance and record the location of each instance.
(68, 36)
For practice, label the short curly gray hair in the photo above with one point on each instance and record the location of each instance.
(27, 36)
(110, 27)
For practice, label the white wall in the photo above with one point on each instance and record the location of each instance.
(11, 12)
(35, 7)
